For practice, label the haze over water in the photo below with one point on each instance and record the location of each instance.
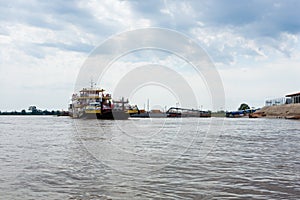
(62, 158)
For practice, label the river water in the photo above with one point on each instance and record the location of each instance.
(61, 158)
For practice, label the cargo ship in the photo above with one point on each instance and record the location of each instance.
(93, 103)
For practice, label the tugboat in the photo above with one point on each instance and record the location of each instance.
(93, 103)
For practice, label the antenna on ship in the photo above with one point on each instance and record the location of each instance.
(92, 82)
(148, 105)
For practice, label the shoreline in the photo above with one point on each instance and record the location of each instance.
(285, 111)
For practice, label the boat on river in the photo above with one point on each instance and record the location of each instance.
(248, 113)
(148, 114)
(184, 112)
(94, 103)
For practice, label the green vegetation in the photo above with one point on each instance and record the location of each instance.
(244, 106)
(32, 110)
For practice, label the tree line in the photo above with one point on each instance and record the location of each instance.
(32, 110)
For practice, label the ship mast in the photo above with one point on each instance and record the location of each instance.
(148, 105)
(92, 83)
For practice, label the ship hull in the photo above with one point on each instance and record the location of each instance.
(180, 115)
(115, 115)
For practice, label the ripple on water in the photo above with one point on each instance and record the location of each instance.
(50, 158)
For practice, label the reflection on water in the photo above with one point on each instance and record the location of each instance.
(61, 158)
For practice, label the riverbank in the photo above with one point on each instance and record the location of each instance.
(287, 111)
(45, 112)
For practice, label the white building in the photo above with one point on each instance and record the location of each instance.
(295, 98)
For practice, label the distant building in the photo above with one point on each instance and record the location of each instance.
(295, 98)
(278, 101)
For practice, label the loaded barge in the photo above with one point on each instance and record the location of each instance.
(184, 112)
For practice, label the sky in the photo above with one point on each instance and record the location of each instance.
(253, 44)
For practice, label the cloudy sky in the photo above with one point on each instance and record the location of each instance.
(254, 44)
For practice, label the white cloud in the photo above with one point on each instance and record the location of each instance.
(255, 84)
(117, 14)
(131, 65)
(43, 44)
